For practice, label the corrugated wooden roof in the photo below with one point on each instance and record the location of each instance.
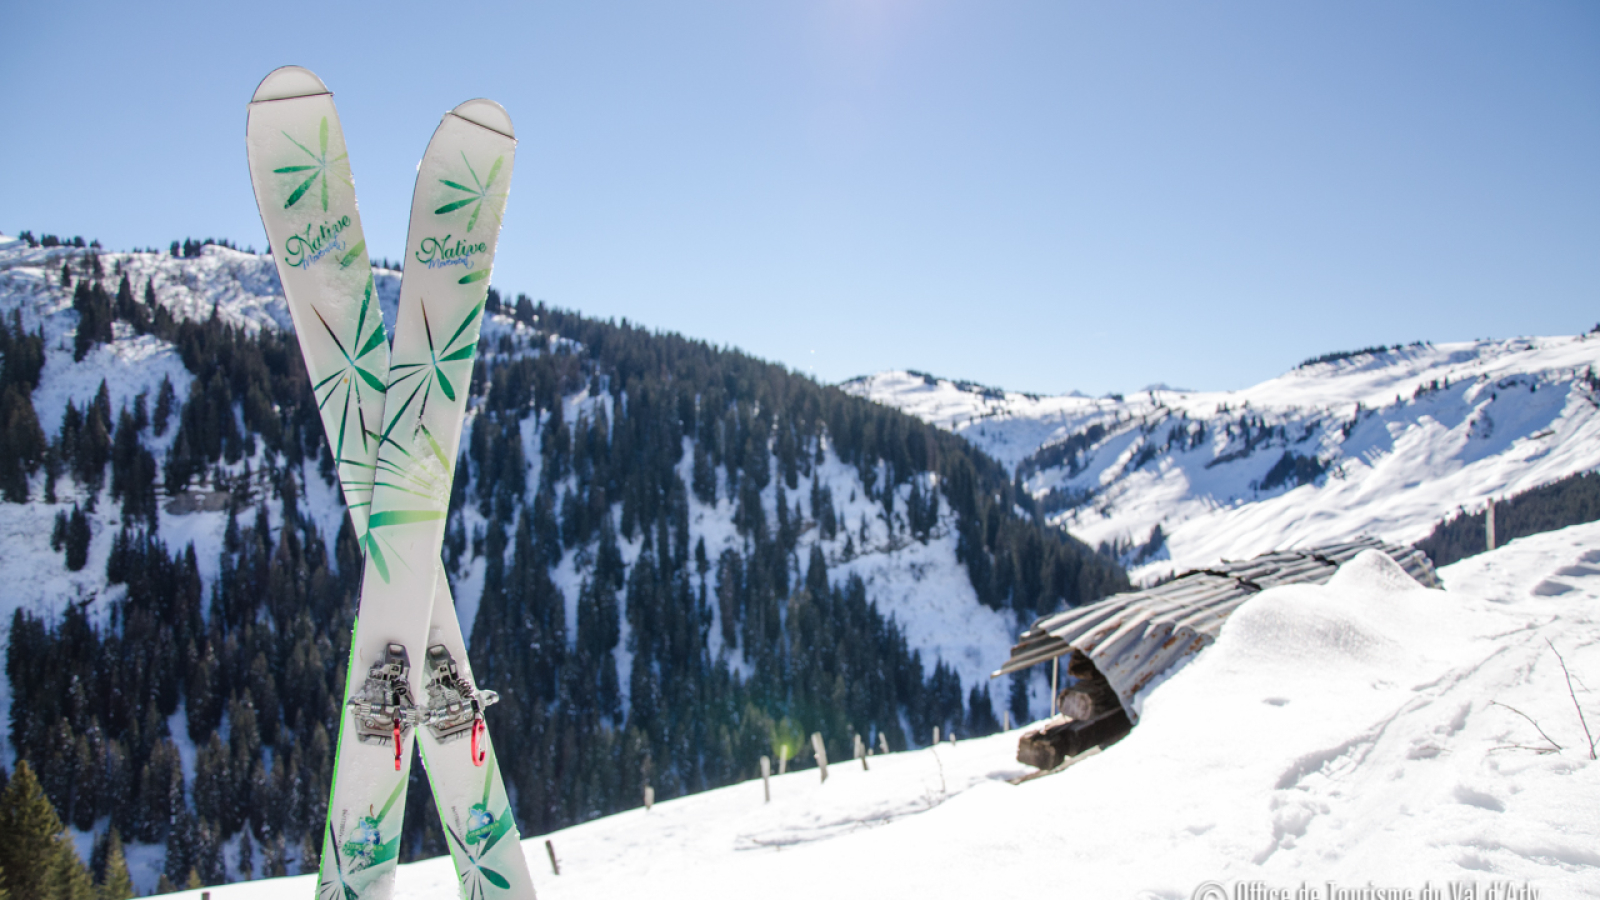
(1135, 637)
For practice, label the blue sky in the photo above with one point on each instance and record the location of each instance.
(1045, 196)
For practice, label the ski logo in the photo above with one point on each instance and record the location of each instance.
(318, 167)
(301, 250)
(438, 253)
(366, 846)
(362, 849)
(480, 823)
(482, 192)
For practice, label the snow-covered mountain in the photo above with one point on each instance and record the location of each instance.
(1381, 442)
(1379, 747)
(674, 555)
(920, 584)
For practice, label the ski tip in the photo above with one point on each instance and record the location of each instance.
(487, 113)
(287, 82)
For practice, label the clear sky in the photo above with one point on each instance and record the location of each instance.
(1044, 196)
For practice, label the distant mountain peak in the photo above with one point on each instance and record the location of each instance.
(1383, 441)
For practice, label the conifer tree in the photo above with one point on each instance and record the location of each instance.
(116, 883)
(70, 876)
(37, 856)
(166, 397)
(22, 443)
(77, 539)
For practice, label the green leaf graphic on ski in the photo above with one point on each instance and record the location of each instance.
(480, 193)
(357, 382)
(319, 166)
(414, 463)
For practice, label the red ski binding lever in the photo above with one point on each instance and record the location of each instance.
(478, 753)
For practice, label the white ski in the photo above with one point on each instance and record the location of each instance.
(342, 341)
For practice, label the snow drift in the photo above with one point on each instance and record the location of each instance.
(1367, 733)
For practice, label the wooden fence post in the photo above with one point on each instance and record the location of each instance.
(935, 736)
(1488, 521)
(822, 753)
(883, 743)
(551, 849)
(861, 752)
(649, 797)
(766, 775)
(1055, 683)
(1008, 721)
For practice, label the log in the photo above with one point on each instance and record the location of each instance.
(1091, 697)
(1062, 738)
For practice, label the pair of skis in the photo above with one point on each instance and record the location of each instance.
(393, 422)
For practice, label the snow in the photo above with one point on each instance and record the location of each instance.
(1408, 436)
(1356, 735)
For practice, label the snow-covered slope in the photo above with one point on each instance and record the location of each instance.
(1360, 733)
(1379, 443)
(920, 584)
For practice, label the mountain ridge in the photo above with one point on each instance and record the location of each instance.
(1386, 441)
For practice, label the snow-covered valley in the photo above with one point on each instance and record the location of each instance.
(1363, 734)
(1384, 444)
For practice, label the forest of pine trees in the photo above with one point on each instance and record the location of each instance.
(249, 666)
(1568, 501)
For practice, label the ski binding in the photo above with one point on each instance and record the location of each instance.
(454, 706)
(382, 707)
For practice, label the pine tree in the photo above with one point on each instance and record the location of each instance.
(117, 883)
(166, 397)
(22, 443)
(247, 856)
(71, 877)
(77, 539)
(37, 856)
(704, 476)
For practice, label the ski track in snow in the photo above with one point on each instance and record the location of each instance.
(1347, 733)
